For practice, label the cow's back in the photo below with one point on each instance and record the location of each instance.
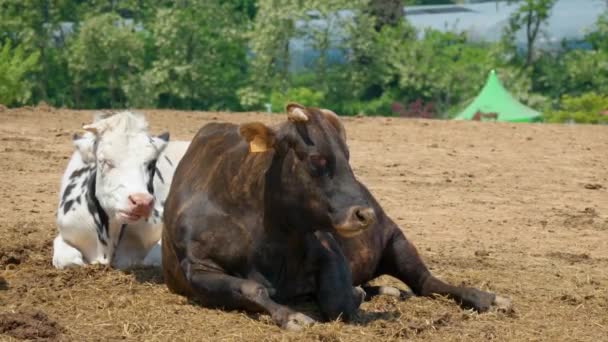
(199, 163)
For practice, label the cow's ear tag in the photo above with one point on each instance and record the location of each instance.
(258, 144)
(259, 136)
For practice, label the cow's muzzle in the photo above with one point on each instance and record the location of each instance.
(140, 205)
(358, 219)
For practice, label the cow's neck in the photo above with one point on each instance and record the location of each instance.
(275, 218)
(108, 228)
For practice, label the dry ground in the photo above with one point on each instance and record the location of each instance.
(518, 209)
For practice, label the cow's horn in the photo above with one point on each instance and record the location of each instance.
(296, 113)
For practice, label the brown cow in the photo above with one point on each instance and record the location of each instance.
(258, 216)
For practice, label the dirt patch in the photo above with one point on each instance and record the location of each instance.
(582, 219)
(571, 257)
(593, 186)
(29, 326)
(515, 218)
(13, 256)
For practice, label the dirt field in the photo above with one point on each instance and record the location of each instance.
(518, 209)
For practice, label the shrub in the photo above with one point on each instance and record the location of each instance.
(14, 67)
(302, 95)
(587, 108)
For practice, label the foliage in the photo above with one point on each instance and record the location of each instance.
(103, 59)
(14, 66)
(429, 2)
(246, 7)
(363, 56)
(200, 57)
(573, 72)
(137, 10)
(597, 37)
(269, 43)
(386, 12)
(442, 68)
(530, 15)
(299, 95)
(587, 108)
(35, 26)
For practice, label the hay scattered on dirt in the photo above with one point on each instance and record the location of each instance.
(514, 218)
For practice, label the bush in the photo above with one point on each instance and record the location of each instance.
(14, 67)
(104, 58)
(587, 108)
(302, 95)
(251, 98)
(378, 106)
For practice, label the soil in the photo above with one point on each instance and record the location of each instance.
(517, 209)
(30, 326)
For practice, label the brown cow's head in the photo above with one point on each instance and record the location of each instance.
(310, 181)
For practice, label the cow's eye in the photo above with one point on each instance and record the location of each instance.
(319, 164)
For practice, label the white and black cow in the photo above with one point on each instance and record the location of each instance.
(112, 194)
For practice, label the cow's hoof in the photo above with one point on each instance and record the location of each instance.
(359, 294)
(373, 291)
(502, 304)
(297, 321)
(478, 300)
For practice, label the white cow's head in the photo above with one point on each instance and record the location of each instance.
(124, 155)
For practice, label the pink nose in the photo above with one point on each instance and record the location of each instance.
(141, 203)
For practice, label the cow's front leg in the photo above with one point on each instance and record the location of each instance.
(154, 256)
(65, 255)
(401, 260)
(335, 294)
(107, 248)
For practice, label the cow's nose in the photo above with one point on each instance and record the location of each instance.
(141, 201)
(364, 215)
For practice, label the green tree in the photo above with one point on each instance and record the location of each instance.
(246, 7)
(385, 12)
(137, 10)
(599, 37)
(103, 59)
(201, 59)
(273, 28)
(578, 71)
(430, 2)
(328, 30)
(442, 68)
(587, 108)
(14, 67)
(530, 15)
(35, 26)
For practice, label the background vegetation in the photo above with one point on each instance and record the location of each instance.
(235, 55)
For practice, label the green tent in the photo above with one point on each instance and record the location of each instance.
(495, 102)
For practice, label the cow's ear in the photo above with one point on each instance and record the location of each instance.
(334, 120)
(96, 128)
(161, 141)
(296, 112)
(164, 136)
(259, 136)
(85, 147)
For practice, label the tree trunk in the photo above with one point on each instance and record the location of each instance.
(532, 30)
(42, 36)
